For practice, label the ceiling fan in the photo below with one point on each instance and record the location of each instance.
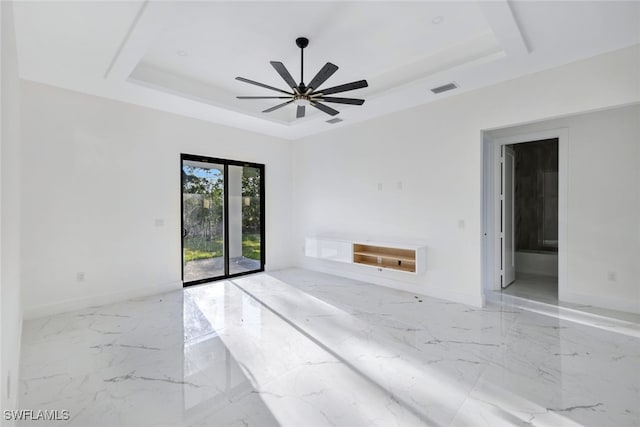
(304, 95)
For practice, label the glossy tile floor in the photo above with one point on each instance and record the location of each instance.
(544, 289)
(534, 287)
(299, 348)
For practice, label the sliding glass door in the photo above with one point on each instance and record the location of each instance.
(245, 219)
(222, 218)
(203, 248)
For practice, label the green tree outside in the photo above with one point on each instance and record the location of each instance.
(203, 212)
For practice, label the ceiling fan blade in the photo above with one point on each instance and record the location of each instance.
(300, 112)
(284, 73)
(326, 72)
(263, 97)
(345, 87)
(352, 101)
(325, 108)
(242, 79)
(268, 110)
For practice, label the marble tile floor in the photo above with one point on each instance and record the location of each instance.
(542, 295)
(301, 348)
(619, 322)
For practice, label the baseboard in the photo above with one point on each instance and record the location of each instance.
(575, 315)
(10, 363)
(612, 303)
(97, 300)
(15, 380)
(459, 297)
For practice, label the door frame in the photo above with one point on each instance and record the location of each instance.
(502, 158)
(225, 163)
(491, 257)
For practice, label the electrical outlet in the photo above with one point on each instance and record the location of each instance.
(80, 276)
(612, 276)
(159, 222)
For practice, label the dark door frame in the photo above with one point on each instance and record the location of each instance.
(225, 163)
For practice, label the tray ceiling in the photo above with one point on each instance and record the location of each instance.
(183, 56)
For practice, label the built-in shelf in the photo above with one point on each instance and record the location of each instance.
(398, 257)
(385, 257)
(406, 258)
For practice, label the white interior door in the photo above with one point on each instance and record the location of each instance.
(507, 228)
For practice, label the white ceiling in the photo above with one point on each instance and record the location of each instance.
(183, 56)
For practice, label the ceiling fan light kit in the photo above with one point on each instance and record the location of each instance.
(303, 95)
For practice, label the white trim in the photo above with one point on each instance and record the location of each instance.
(570, 314)
(150, 20)
(491, 198)
(505, 27)
(561, 116)
(97, 300)
(486, 214)
(608, 301)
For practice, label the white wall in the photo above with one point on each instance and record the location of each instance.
(603, 205)
(435, 152)
(10, 292)
(98, 173)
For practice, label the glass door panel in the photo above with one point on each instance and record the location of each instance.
(203, 249)
(222, 218)
(245, 219)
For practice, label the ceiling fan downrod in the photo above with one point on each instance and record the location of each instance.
(302, 42)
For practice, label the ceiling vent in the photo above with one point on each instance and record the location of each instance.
(334, 121)
(444, 88)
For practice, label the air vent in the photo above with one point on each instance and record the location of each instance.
(334, 121)
(444, 88)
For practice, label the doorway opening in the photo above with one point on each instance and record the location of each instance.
(524, 215)
(223, 223)
(530, 214)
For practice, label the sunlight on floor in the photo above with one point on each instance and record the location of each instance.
(296, 347)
